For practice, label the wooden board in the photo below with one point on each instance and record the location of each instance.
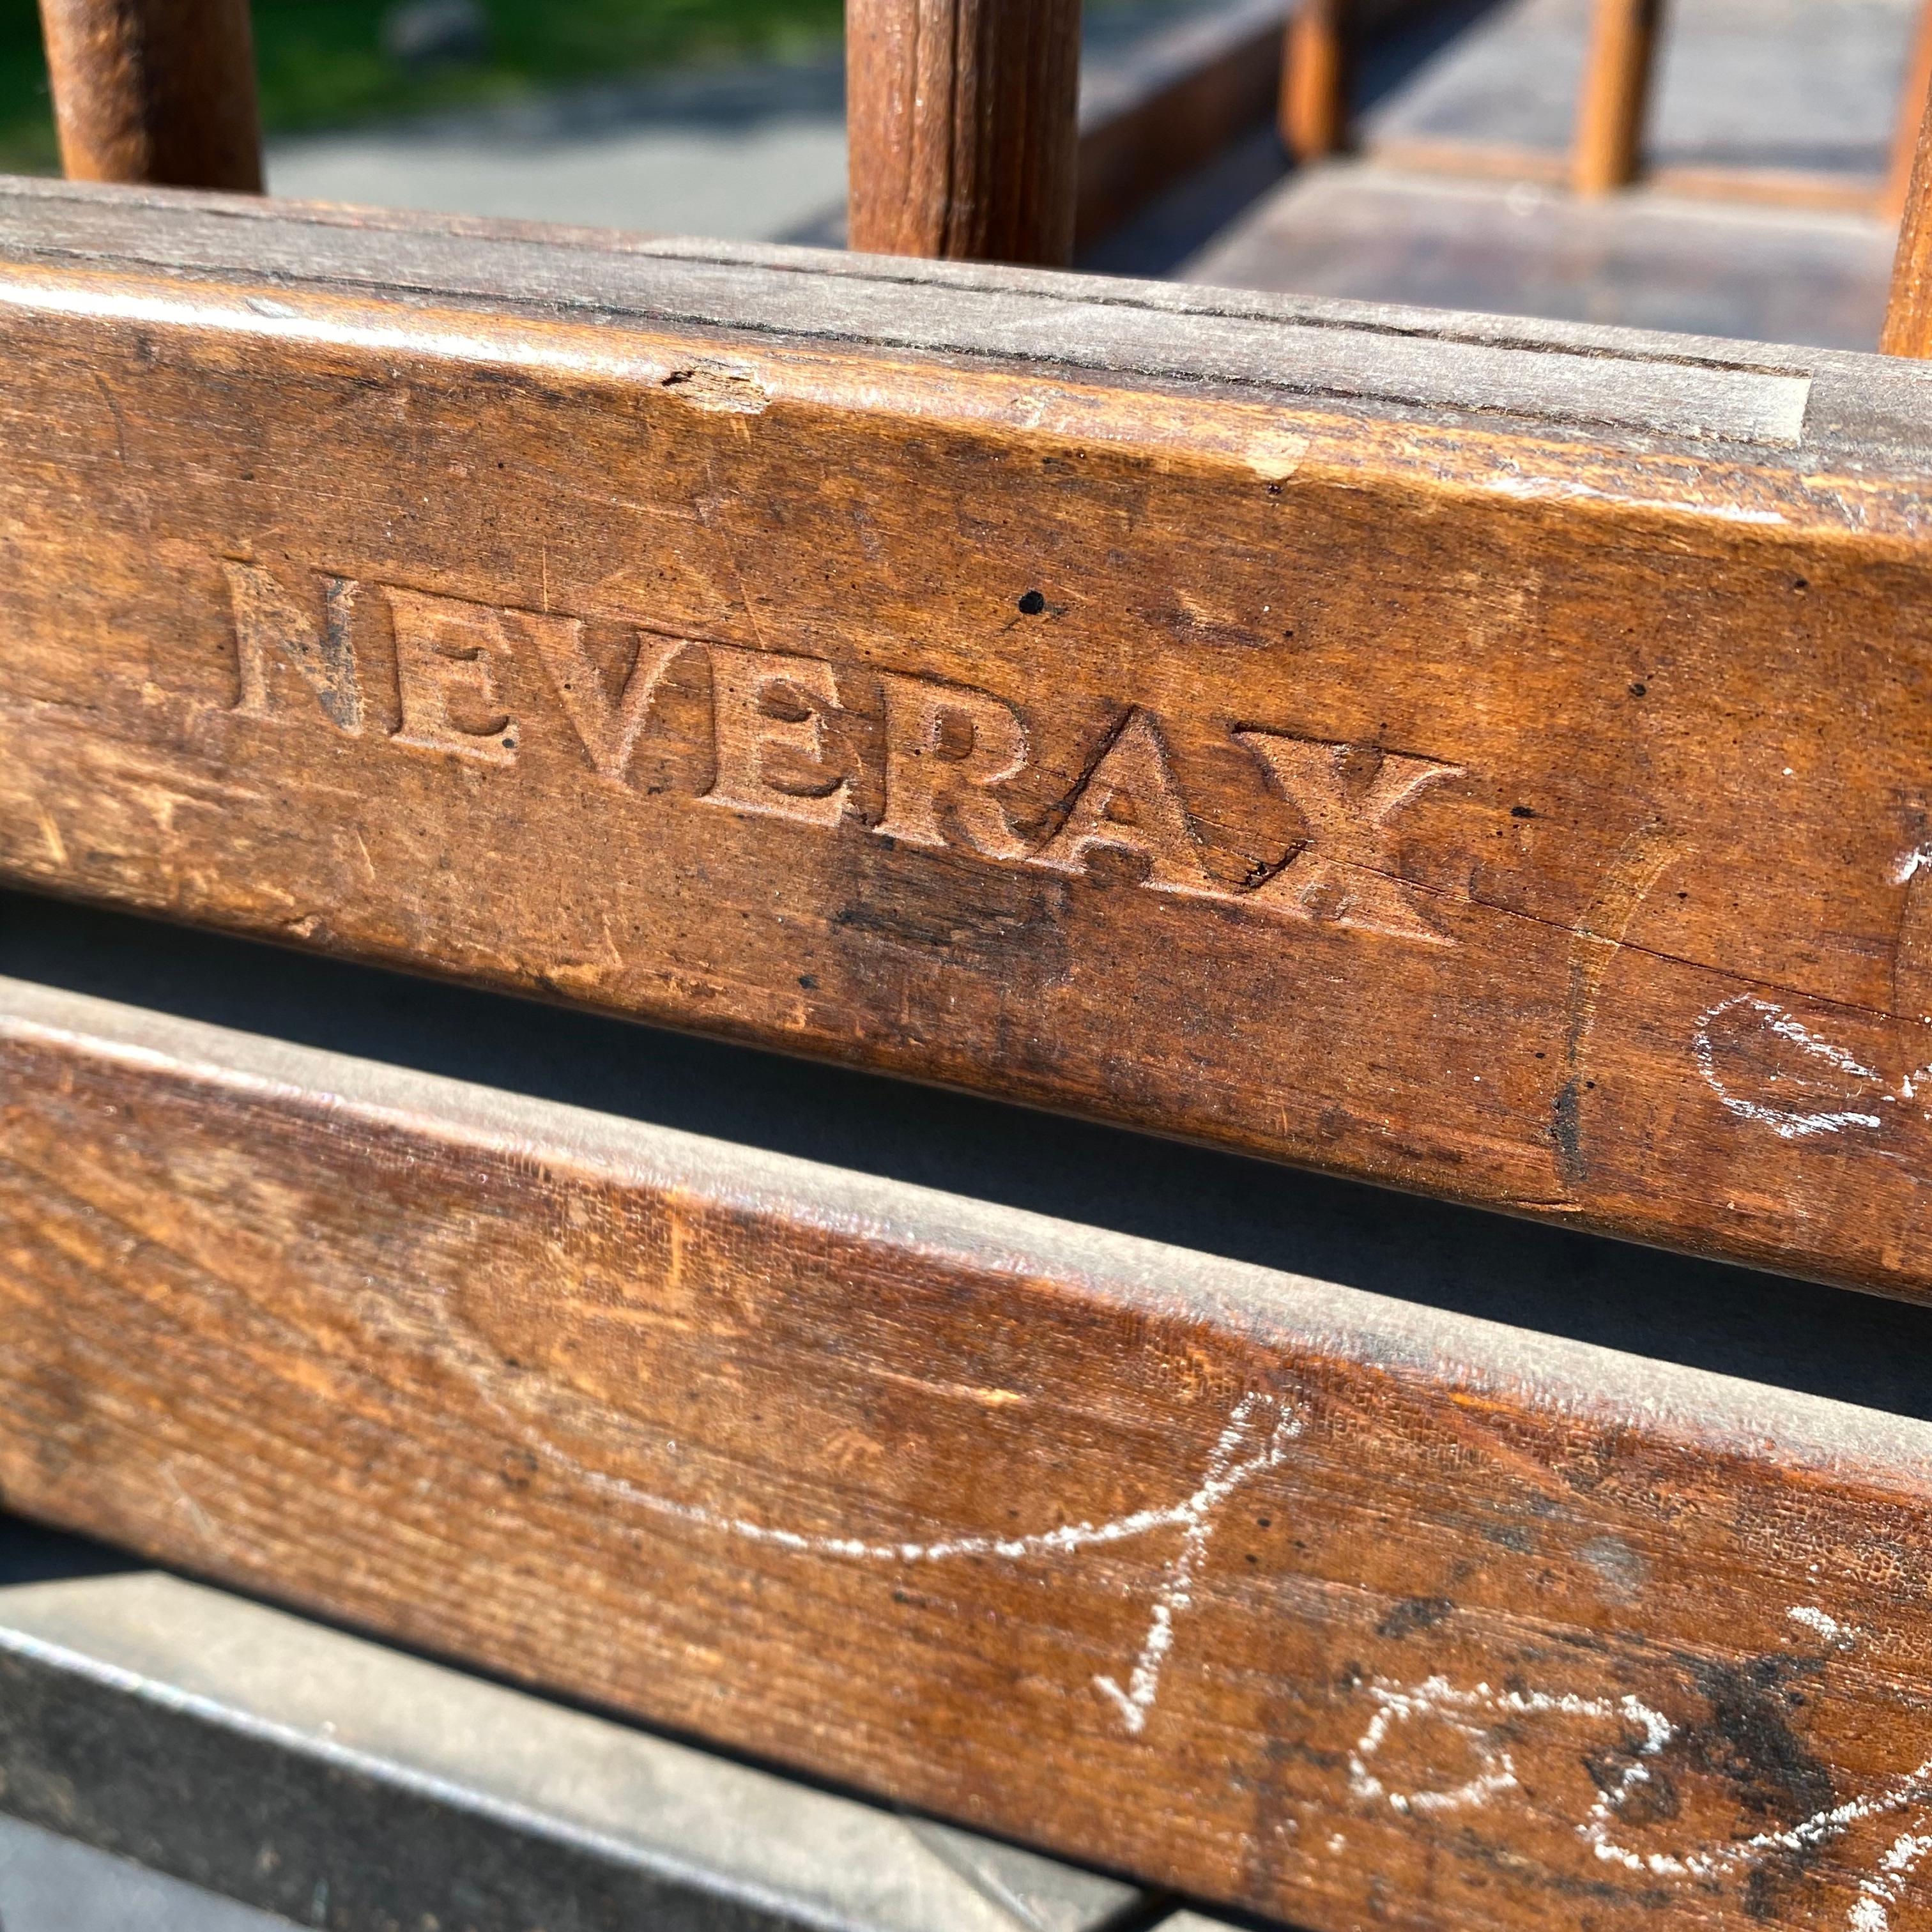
(1487, 763)
(1259, 1587)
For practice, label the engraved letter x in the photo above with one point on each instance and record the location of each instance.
(1344, 873)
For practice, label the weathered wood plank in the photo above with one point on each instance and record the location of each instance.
(1426, 1621)
(1491, 766)
(161, 91)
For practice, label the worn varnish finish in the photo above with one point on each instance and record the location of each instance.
(963, 117)
(159, 90)
(1530, 810)
(1274, 1590)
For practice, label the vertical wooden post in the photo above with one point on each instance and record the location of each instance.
(1315, 80)
(159, 91)
(963, 117)
(1615, 92)
(1907, 330)
(1912, 99)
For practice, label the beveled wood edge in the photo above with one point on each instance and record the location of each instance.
(1378, 357)
(1712, 1414)
(151, 244)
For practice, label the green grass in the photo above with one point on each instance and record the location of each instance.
(322, 63)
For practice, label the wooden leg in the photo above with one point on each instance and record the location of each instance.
(1616, 88)
(159, 91)
(963, 122)
(1314, 80)
(1907, 330)
(1912, 100)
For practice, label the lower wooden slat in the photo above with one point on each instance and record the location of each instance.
(1273, 1590)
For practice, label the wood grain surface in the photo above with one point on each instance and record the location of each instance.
(156, 90)
(1262, 1588)
(963, 117)
(1485, 761)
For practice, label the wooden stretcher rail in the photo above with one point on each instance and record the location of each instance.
(1484, 758)
(1431, 1622)
(1185, 98)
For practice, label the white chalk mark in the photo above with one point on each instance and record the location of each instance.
(1910, 865)
(1478, 1713)
(50, 832)
(192, 1508)
(1223, 1476)
(1715, 1862)
(1461, 1711)
(1072, 1536)
(1828, 1627)
(1265, 1421)
(1790, 1123)
(1882, 1889)
(1263, 1425)
(1819, 1828)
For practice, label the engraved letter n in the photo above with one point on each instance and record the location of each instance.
(268, 620)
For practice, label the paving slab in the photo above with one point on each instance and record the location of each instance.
(51, 1884)
(1808, 84)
